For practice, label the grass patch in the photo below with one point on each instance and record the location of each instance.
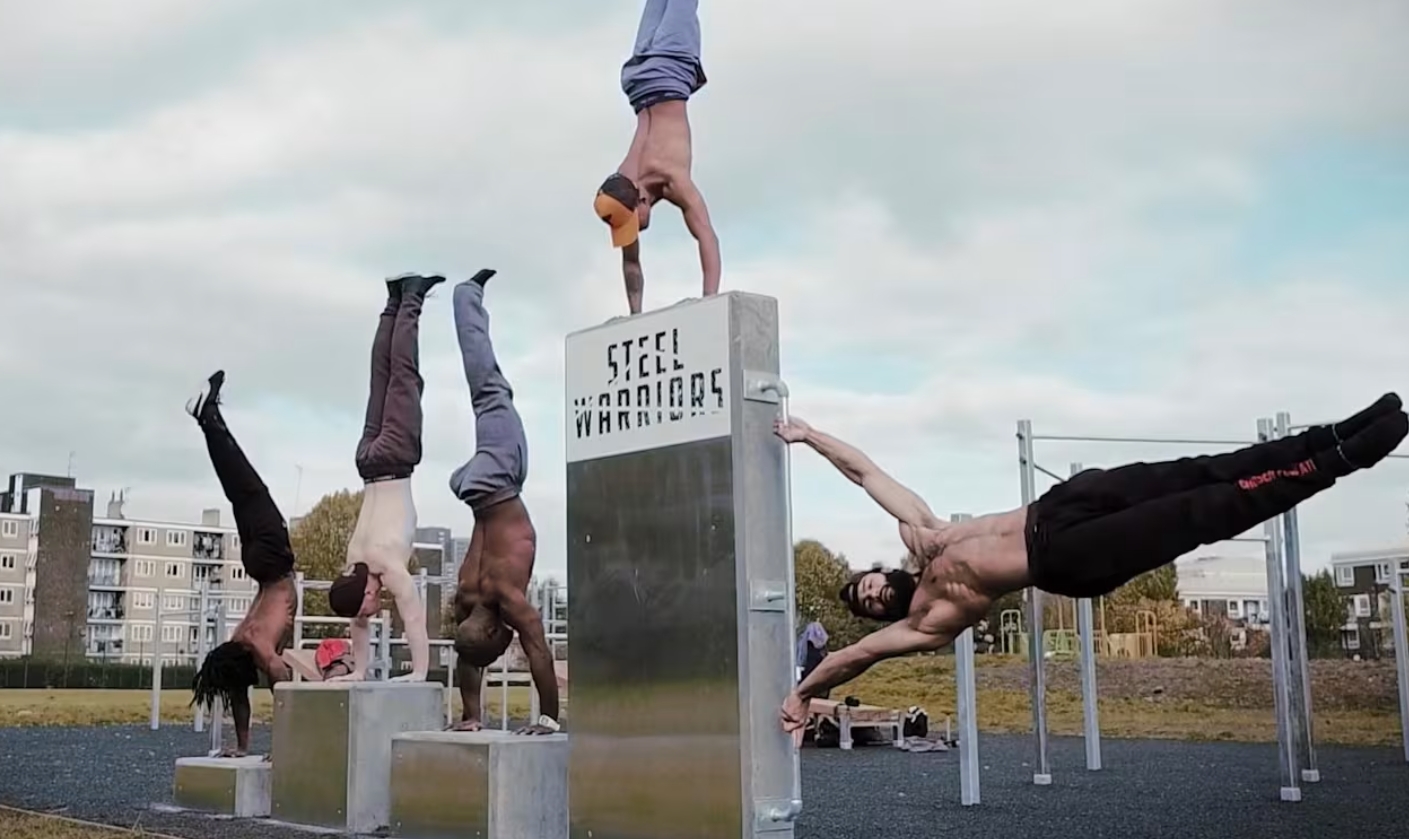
(127, 707)
(22, 824)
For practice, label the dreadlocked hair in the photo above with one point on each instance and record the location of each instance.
(228, 672)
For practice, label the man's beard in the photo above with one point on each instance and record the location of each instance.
(902, 585)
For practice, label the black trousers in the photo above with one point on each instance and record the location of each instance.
(1100, 529)
(264, 537)
(390, 447)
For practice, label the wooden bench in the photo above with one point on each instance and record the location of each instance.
(848, 717)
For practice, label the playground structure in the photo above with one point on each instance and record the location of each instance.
(1290, 670)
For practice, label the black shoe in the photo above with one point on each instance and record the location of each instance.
(205, 406)
(482, 276)
(1374, 443)
(1347, 429)
(413, 285)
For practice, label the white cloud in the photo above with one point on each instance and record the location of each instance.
(977, 195)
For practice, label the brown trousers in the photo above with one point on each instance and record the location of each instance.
(390, 447)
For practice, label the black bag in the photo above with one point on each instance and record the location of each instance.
(917, 722)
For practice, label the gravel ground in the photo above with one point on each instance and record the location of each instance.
(1149, 789)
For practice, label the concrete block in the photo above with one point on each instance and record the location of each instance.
(332, 748)
(485, 784)
(231, 786)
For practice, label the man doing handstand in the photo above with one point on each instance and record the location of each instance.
(387, 454)
(489, 598)
(664, 71)
(1084, 537)
(258, 642)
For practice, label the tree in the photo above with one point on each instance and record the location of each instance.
(819, 576)
(320, 549)
(1160, 584)
(1325, 612)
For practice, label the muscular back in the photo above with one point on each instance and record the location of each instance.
(265, 628)
(500, 557)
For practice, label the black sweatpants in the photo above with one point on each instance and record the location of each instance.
(1101, 528)
(390, 447)
(264, 537)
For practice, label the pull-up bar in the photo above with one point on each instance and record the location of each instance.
(1169, 440)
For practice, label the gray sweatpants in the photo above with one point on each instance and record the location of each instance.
(665, 61)
(499, 467)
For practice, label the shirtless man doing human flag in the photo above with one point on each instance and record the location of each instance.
(490, 602)
(258, 642)
(1084, 537)
(664, 71)
(387, 454)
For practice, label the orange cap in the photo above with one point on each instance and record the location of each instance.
(616, 205)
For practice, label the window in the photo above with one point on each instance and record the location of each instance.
(29, 595)
(171, 634)
(1350, 639)
(10, 529)
(174, 603)
(142, 599)
(238, 572)
(1345, 575)
(5, 630)
(173, 569)
(7, 595)
(8, 562)
(1362, 605)
(139, 632)
(145, 568)
(176, 538)
(146, 536)
(234, 540)
(1234, 609)
(1382, 573)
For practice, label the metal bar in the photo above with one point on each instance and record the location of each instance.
(1048, 472)
(1041, 772)
(1160, 440)
(201, 648)
(1277, 606)
(967, 699)
(1300, 687)
(217, 708)
(156, 670)
(1401, 653)
(1090, 717)
(299, 584)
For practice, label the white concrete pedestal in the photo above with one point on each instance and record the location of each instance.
(490, 784)
(231, 786)
(332, 748)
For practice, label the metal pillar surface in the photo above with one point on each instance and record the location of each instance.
(1303, 729)
(1280, 650)
(967, 700)
(679, 564)
(1041, 771)
(1401, 651)
(1086, 638)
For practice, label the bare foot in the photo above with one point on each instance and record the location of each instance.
(466, 725)
(411, 677)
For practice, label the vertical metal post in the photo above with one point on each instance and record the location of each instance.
(201, 648)
(1280, 649)
(1041, 772)
(217, 708)
(384, 645)
(156, 669)
(1086, 652)
(1303, 730)
(298, 619)
(967, 699)
(1401, 650)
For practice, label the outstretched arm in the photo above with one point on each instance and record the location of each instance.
(526, 621)
(894, 497)
(413, 618)
(842, 666)
(692, 205)
(633, 275)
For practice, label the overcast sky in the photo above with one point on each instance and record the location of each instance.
(1152, 218)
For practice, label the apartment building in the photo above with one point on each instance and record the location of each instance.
(16, 584)
(1363, 578)
(76, 584)
(1234, 587)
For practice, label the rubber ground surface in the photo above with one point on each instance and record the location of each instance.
(1148, 789)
